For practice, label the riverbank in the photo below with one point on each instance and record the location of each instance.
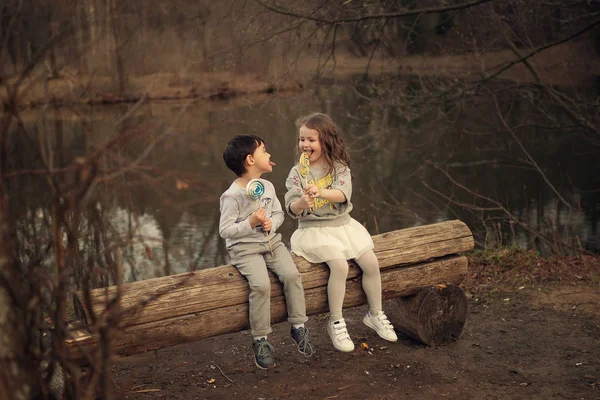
(521, 305)
(571, 64)
(69, 88)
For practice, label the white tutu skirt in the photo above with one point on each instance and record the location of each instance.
(321, 244)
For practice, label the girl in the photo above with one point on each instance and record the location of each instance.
(326, 232)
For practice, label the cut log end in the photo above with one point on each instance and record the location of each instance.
(434, 316)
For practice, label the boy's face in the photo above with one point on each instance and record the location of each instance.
(261, 159)
(309, 143)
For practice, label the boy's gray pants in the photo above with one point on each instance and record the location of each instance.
(252, 260)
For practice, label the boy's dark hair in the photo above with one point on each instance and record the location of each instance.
(237, 150)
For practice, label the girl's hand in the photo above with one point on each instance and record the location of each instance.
(258, 217)
(313, 191)
(267, 225)
(305, 202)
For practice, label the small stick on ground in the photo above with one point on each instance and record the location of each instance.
(221, 371)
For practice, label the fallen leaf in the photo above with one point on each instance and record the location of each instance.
(181, 185)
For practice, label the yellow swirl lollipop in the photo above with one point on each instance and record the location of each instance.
(304, 167)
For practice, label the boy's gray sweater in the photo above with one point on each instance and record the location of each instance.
(236, 208)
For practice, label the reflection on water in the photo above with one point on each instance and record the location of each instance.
(155, 206)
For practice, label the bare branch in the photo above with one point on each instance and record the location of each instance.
(536, 51)
(531, 160)
(406, 13)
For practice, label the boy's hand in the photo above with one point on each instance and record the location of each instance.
(305, 202)
(313, 191)
(258, 217)
(267, 225)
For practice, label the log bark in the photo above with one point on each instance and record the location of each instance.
(214, 288)
(166, 311)
(171, 331)
(434, 316)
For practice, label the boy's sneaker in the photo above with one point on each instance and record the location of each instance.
(381, 325)
(339, 335)
(300, 337)
(263, 354)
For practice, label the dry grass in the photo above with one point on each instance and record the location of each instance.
(570, 64)
(514, 268)
(71, 88)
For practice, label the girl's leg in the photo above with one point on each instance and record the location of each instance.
(336, 287)
(371, 280)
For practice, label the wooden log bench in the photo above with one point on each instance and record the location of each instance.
(420, 270)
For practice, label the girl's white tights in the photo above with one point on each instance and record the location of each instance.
(371, 283)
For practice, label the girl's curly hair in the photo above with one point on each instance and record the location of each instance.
(330, 136)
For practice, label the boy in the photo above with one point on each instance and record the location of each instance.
(245, 224)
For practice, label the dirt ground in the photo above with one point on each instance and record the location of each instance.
(525, 338)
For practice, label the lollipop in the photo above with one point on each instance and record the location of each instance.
(304, 166)
(255, 190)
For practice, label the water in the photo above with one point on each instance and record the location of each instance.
(154, 208)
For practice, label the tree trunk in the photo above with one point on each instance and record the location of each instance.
(434, 316)
(18, 376)
(166, 311)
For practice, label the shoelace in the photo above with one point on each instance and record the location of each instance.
(304, 343)
(264, 349)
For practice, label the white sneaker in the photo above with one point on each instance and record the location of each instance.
(381, 325)
(339, 336)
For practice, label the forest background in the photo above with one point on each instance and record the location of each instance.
(486, 111)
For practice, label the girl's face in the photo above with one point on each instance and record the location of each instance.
(309, 143)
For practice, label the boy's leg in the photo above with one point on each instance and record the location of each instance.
(283, 266)
(251, 263)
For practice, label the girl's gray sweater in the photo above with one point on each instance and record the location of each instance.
(324, 212)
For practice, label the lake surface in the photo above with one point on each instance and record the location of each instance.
(155, 204)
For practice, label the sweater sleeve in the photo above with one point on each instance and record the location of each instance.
(277, 214)
(228, 227)
(342, 181)
(293, 184)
